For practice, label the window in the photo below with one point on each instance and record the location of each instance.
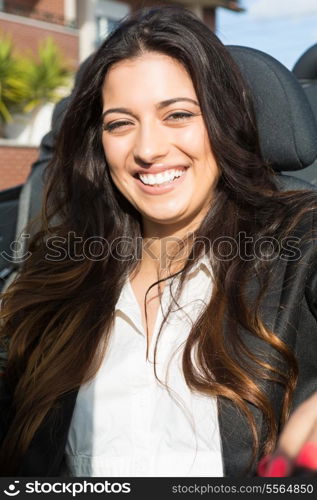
(108, 15)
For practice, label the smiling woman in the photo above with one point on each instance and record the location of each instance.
(156, 143)
(166, 354)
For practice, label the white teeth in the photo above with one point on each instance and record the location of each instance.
(166, 176)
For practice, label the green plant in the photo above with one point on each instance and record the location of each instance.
(43, 76)
(12, 89)
(28, 82)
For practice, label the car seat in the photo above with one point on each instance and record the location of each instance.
(287, 127)
(286, 123)
(28, 204)
(9, 207)
(305, 69)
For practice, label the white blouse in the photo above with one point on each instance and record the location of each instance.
(125, 423)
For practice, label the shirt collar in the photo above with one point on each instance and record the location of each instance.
(126, 299)
(204, 262)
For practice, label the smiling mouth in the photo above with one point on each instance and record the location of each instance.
(162, 179)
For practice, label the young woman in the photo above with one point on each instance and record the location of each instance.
(138, 341)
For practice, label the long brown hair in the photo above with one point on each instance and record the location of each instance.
(58, 314)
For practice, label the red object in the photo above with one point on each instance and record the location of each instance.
(263, 464)
(278, 467)
(307, 457)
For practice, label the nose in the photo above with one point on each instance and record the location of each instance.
(151, 144)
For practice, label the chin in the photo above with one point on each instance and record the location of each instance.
(160, 219)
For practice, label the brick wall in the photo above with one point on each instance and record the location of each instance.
(52, 10)
(15, 163)
(54, 6)
(28, 37)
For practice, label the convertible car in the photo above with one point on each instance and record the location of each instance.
(286, 110)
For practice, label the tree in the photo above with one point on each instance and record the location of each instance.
(12, 89)
(28, 82)
(42, 77)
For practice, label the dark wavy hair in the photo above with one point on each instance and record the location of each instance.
(57, 315)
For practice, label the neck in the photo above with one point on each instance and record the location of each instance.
(166, 247)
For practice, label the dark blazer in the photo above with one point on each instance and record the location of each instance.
(289, 308)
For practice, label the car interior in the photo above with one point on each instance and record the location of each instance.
(305, 70)
(286, 113)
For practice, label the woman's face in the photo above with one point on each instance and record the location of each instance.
(156, 143)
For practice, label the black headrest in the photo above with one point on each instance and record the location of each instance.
(306, 71)
(287, 127)
(306, 66)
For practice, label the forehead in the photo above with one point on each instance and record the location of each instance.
(151, 76)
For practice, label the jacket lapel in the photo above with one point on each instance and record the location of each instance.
(281, 312)
(46, 452)
(236, 435)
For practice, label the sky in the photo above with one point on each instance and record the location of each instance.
(284, 29)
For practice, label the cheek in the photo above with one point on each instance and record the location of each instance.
(114, 158)
(194, 140)
(191, 138)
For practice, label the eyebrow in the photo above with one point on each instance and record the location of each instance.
(160, 105)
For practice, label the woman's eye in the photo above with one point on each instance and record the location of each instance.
(115, 125)
(179, 116)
